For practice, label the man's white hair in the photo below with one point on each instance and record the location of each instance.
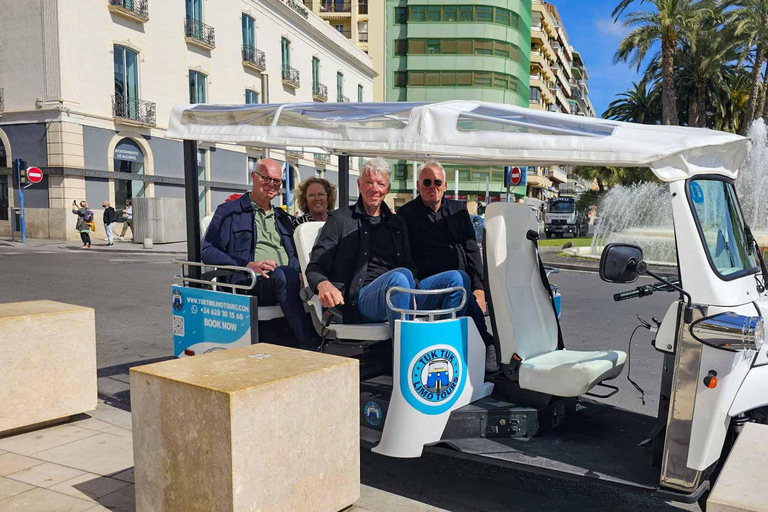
(432, 163)
(377, 166)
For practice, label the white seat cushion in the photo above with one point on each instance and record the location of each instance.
(570, 372)
(363, 332)
(269, 313)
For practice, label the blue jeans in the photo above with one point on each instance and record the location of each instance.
(372, 302)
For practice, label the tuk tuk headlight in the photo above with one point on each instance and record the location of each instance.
(730, 331)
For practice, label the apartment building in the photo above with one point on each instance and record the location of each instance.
(88, 87)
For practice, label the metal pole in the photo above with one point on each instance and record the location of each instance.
(456, 185)
(193, 207)
(21, 202)
(487, 191)
(343, 180)
(415, 179)
(288, 188)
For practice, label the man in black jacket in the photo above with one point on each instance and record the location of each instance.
(442, 238)
(365, 248)
(110, 217)
(250, 232)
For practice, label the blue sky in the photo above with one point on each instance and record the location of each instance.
(596, 37)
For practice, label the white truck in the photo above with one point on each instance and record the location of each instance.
(563, 218)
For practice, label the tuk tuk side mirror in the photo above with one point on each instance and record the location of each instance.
(621, 263)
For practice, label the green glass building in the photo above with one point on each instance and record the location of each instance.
(458, 50)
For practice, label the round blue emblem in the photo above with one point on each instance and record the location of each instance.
(372, 413)
(435, 375)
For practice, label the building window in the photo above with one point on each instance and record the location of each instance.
(285, 48)
(433, 46)
(503, 17)
(251, 97)
(418, 13)
(339, 27)
(465, 13)
(196, 87)
(249, 35)
(448, 46)
(359, 93)
(535, 95)
(126, 82)
(450, 13)
(195, 9)
(456, 78)
(339, 86)
(433, 13)
(484, 47)
(128, 158)
(417, 46)
(401, 15)
(484, 14)
(401, 46)
(250, 167)
(401, 171)
(401, 78)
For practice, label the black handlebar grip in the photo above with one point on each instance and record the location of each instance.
(631, 294)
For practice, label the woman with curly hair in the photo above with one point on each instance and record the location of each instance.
(315, 197)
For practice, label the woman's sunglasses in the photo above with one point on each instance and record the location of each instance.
(428, 183)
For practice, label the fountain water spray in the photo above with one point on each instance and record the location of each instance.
(752, 185)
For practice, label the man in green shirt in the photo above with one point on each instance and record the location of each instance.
(250, 232)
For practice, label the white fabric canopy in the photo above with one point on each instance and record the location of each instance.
(464, 131)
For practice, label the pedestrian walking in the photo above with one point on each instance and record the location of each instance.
(84, 224)
(127, 219)
(110, 217)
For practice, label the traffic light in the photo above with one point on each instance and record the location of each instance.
(19, 172)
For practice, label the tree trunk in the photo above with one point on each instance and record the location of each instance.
(751, 105)
(765, 93)
(669, 101)
(761, 105)
(693, 109)
(701, 100)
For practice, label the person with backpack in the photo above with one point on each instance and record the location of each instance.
(84, 222)
(110, 217)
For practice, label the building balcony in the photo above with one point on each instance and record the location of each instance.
(291, 153)
(254, 58)
(338, 8)
(362, 37)
(136, 10)
(133, 112)
(322, 158)
(291, 77)
(319, 91)
(544, 90)
(538, 181)
(343, 99)
(199, 34)
(557, 175)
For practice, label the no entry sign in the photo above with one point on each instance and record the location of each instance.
(34, 175)
(515, 175)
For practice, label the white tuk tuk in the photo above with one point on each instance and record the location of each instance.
(541, 413)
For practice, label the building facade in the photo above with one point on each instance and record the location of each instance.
(89, 103)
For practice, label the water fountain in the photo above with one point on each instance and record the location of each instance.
(641, 214)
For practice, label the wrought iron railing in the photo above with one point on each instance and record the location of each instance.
(335, 6)
(138, 7)
(291, 75)
(320, 91)
(343, 99)
(322, 158)
(134, 109)
(293, 153)
(362, 37)
(254, 56)
(196, 29)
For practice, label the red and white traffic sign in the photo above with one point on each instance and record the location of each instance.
(515, 176)
(34, 175)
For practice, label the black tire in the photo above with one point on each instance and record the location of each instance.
(549, 235)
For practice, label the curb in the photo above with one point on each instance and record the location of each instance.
(143, 252)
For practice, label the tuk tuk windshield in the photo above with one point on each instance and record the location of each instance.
(721, 226)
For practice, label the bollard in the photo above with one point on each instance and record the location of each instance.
(148, 243)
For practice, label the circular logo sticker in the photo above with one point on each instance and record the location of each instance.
(372, 413)
(435, 375)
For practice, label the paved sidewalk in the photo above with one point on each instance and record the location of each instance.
(87, 466)
(127, 246)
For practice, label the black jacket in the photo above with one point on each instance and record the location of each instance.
(231, 237)
(110, 215)
(340, 254)
(461, 238)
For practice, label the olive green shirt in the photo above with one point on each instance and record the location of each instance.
(268, 246)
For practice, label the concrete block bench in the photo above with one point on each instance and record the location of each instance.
(741, 485)
(47, 363)
(262, 428)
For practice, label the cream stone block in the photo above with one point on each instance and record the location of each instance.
(259, 428)
(65, 138)
(48, 354)
(57, 160)
(741, 484)
(36, 222)
(61, 148)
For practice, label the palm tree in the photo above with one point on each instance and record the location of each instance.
(750, 21)
(667, 23)
(639, 104)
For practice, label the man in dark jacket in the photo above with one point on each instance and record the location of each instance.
(365, 248)
(442, 238)
(250, 232)
(110, 217)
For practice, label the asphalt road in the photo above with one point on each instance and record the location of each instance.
(131, 296)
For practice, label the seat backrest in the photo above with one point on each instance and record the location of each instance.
(305, 237)
(522, 310)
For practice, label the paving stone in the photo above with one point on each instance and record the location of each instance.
(103, 454)
(41, 440)
(10, 487)
(45, 475)
(13, 463)
(44, 500)
(89, 486)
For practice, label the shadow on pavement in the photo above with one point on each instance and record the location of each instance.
(113, 382)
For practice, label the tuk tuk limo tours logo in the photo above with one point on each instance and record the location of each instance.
(435, 375)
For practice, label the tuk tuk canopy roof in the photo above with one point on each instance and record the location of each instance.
(468, 132)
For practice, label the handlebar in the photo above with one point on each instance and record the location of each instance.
(644, 291)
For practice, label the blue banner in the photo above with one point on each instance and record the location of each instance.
(206, 321)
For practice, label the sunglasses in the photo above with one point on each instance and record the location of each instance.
(428, 183)
(269, 181)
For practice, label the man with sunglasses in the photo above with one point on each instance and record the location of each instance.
(442, 238)
(250, 232)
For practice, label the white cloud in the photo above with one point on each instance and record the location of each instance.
(610, 28)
